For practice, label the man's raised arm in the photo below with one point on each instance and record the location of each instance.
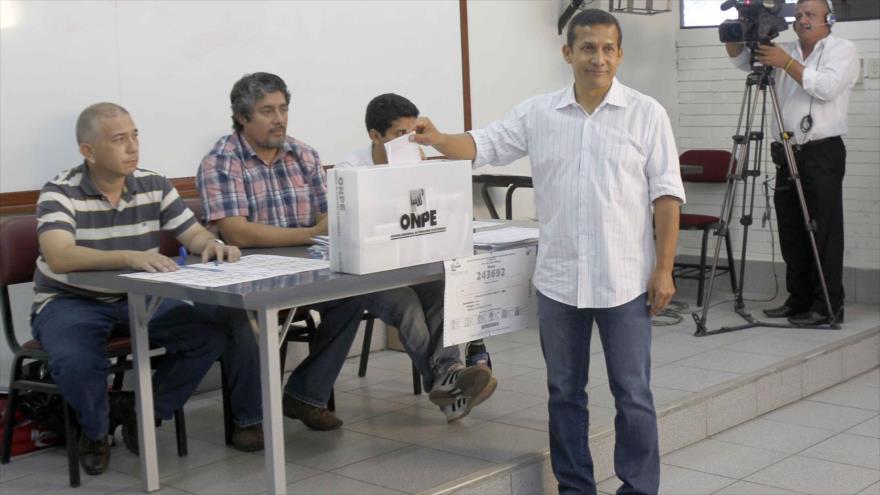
(453, 146)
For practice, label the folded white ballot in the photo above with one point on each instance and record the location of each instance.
(401, 150)
(381, 218)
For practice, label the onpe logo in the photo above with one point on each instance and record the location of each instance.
(420, 216)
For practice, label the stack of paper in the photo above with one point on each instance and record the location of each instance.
(482, 224)
(505, 238)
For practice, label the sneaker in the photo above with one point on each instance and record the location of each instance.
(94, 455)
(477, 354)
(248, 438)
(462, 406)
(122, 414)
(460, 381)
(315, 418)
(485, 393)
(458, 409)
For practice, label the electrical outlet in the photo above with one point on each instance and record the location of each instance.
(872, 68)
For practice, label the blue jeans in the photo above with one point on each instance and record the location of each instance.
(625, 333)
(312, 381)
(75, 331)
(417, 312)
(241, 359)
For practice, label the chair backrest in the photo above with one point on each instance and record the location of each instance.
(714, 163)
(168, 245)
(19, 250)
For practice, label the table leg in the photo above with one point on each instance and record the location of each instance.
(270, 376)
(138, 319)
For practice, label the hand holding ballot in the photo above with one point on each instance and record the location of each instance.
(454, 146)
(402, 150)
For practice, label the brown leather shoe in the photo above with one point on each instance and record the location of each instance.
(315, 418)
(94, 455)
(248, 438)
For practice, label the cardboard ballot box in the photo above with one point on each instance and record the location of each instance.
(386, 217)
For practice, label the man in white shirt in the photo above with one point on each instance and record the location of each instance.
(604, 165)
(814, 77)
(417, 311)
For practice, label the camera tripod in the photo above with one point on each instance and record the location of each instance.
(758, 83)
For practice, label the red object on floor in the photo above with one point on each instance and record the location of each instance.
(28, 435)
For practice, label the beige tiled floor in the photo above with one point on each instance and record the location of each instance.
(828, 443)
(396, 442)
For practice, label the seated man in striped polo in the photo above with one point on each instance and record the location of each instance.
(105, 214)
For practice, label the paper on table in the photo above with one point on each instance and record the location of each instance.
(506, 237)
(401, 150)
(248, 268)
(479, 224)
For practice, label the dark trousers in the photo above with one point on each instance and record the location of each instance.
(821, 166)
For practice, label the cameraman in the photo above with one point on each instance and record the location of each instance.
(814, 78)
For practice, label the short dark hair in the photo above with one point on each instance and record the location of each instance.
(384, 109)
(593, 17)
(248, 90)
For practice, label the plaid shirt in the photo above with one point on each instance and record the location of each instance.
(233, 181)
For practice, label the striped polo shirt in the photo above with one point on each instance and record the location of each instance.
(71, 202)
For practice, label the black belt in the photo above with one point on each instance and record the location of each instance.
(812, 144)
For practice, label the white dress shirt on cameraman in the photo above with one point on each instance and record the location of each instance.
(830, 72)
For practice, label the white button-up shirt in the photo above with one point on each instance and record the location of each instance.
(830, 72)
(595, 177)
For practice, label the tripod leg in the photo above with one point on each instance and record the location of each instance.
(737, 170)
(702, 267)
(808, 222)
(730, 263)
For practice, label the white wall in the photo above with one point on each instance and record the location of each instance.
(515, 53)
(710, 91)
(172, 64)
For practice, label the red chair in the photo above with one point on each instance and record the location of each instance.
(19, 249)
(714, 169)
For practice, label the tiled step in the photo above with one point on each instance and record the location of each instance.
(695, 417)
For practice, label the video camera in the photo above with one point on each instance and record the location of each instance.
(759, 21)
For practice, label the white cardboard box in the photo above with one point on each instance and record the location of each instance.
(382, 217)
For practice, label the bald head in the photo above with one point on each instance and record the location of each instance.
(89, 121)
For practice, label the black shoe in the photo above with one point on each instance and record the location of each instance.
(94, 455)
(783, 311)
(810, 318)
(122, 413)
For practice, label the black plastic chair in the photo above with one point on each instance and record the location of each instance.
(510, 182)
